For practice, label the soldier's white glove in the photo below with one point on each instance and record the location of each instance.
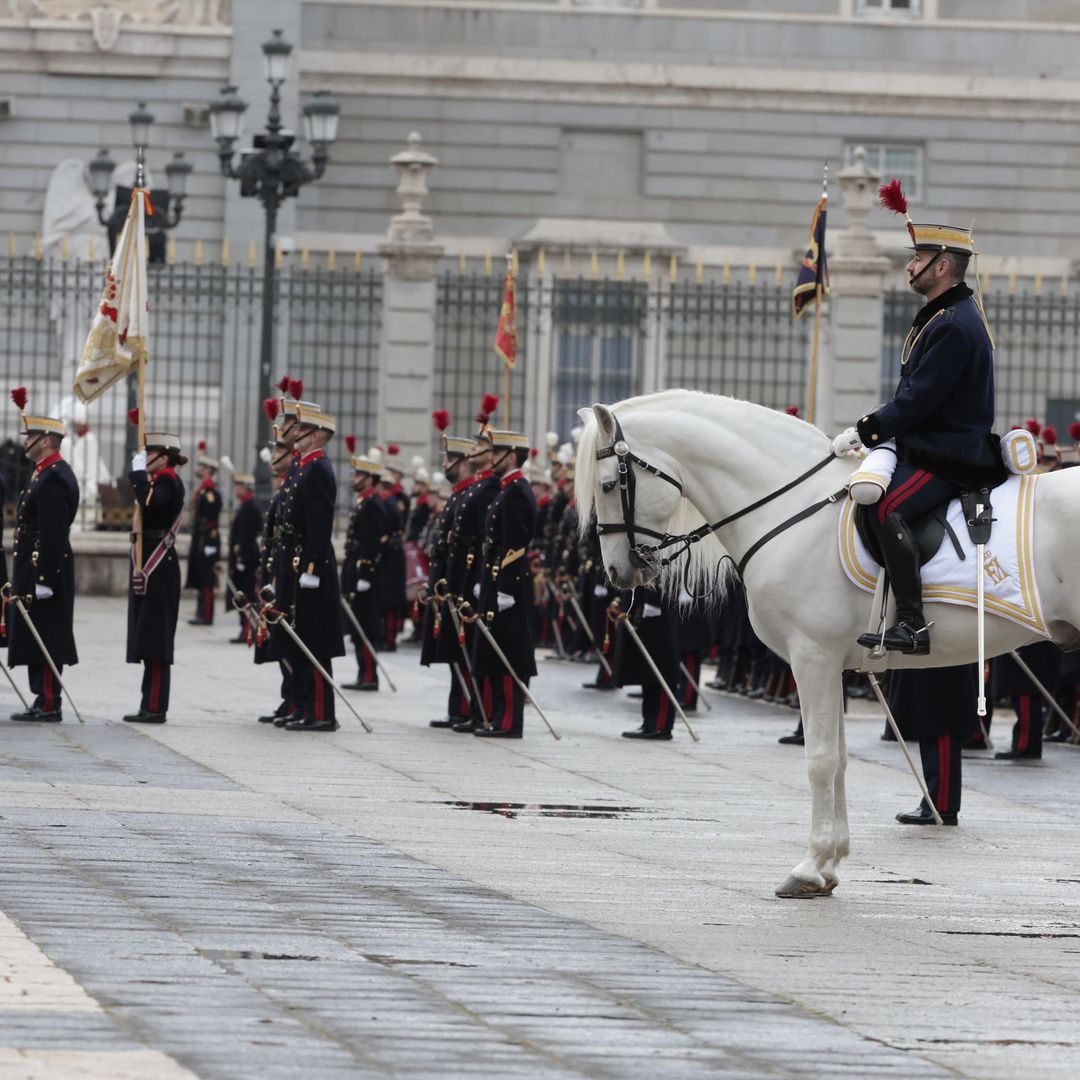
(847, 442)
(241, 567)
(476, 591)
(138, 461)
(600, 591)
(505, 601)
(208, 551)
(650, 611)
(42, 592)
(362, 585)
(685, 599)
(309, 581)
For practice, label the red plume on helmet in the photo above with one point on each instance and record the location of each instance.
(202, 444)
(441, 419)
(534, 452)
(271, 409)
(296, 388)
(283, 384)
(393, 449)
(133, 417)
(792, 410)
(489, 404)
(1049, 435)
(1033, 425)
(350, 443)
(892, 197)
(19, 397)
(1074, 431)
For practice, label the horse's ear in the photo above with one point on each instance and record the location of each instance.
(605, 419)
(584, 415)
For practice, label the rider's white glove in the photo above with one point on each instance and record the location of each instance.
(650, 611)
(309, 581)
(505, 601)
(138, 461)
(847, 442)
(209, 550)
(362, 585)
(42, 592)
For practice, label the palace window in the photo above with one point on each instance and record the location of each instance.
(902, 160)
(899, 8)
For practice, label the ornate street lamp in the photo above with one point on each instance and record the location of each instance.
(168, 203)
(271, 171)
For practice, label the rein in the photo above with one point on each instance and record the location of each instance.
(645, 552)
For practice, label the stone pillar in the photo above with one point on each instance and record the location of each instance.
(407, 342)
(849, 372)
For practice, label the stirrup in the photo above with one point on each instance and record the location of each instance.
(902, 638)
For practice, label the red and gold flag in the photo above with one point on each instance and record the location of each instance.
(506, 334)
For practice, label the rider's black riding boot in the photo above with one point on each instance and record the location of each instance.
(901, 555)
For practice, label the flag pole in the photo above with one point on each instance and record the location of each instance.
(811, 393)
(506, 365)
(140, 396)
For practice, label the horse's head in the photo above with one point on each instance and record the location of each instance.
(635, 494)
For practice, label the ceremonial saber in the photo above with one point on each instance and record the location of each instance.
(14, 686)
(455, 618)
(696, 687)
(489, 637)
(284, 623)
(656, 671)
(568, 592)
(17, 601)
(903, 746)
(244, 609)
(1020, 663)
(367, 642)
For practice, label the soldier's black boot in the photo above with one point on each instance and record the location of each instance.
(911, 634)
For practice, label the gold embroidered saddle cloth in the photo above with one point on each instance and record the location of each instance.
(1008, 562)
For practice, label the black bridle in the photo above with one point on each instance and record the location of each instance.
(647, 554)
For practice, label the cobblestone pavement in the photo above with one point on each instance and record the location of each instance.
(217, 898)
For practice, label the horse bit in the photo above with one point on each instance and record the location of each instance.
(642, 555)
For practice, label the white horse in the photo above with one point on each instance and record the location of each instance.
(717, 456)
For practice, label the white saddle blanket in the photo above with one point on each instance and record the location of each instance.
(1008, 564)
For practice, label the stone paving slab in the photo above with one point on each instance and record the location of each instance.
(251, 902)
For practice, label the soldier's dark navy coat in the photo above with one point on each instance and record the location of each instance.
(267, 554)
(943, 409)
(363, 562)
(244, 530)
(284, 552)
(442, 649)
(929, 702)
(659, 635)
(42, 556)
(418, 518)
(204, 535)
(316, 611)
(393, 584)
(509, 526)
(466, 554)
(152, 617)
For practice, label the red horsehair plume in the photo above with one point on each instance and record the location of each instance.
(1074, 431)
(892, 197)
(1016, 427)
(792, 410)
(487, 407)
(441, 418)
(296, 388)
(271, 408)
(1033, 425)
(133, 417)
(393, 449)
(283, 384)
(19, 396)
(534, 452)
(350, 443)
(202, 444)
(1049, 435)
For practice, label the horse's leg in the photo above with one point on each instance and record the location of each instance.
(841, 839)
(821, 698)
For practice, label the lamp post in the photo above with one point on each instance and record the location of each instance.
(168, 203)
(272, 171)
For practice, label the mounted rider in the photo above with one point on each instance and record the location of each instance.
(940, 415)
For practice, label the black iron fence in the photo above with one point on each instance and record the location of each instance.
(202, 379)
(1036, 359)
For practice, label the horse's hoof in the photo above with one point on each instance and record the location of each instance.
(830, 886)
(797, 889)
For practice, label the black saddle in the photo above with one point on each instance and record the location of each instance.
(931, 529)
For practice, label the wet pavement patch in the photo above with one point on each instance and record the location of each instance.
(560, 810)
(247, 954)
